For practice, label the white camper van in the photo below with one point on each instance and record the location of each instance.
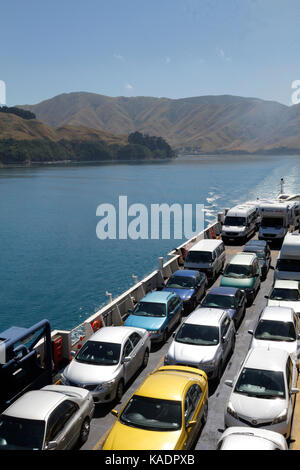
(276, 218)
(288, 261)
(207, 256)
(240, 222)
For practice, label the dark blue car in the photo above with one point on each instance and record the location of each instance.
(228, 298)
(189, 285)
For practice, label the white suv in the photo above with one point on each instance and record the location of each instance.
(263, 392)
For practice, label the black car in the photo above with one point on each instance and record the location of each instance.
(228, 298)
(262, 251)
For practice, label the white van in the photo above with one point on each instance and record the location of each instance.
(288, 261)
(207, 256)
(240, 222)
(276, 217)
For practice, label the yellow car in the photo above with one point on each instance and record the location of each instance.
(165, 413)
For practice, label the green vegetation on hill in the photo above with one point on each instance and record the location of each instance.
(23, 113)
(24, 141)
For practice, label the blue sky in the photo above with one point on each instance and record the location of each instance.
(170, 48)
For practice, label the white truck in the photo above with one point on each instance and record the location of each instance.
(276, 218)
(288, 261)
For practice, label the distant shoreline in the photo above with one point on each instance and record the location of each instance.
(68, 163)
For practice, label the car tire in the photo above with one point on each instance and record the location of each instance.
(120, 390)
(145, 359)
(84, 432)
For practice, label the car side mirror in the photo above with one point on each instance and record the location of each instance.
(115, 413)
(174, 334)
(229, 383)
(191, 424)
(126, 359)
(51, 445)
(250, 332)
(221, 272)
(294, 390)
(72, 353)
(266, 296)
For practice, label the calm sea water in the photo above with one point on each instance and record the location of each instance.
(52, 265)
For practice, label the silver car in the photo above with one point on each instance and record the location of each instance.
(55, 417)
(205, 340)
(264, 391)
(108, 360)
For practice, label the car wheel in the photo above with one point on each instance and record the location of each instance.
(84, 431)
(120, 390)
(145, 359)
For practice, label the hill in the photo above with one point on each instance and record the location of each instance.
(24, 141)
(205, 124)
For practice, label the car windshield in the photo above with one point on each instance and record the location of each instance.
(292, 265)
(260, 383)
(181, 282)
(99, 353)
(152, 414)
(198, 257)
(215, 300)
(258, 251)
(275, 331)
(271, 222)
(201, 335)
(235, 221)
(284, 294)
(18, 433)
(150, 309)
(238, 270)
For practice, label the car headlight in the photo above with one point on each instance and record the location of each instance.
(64, 380)
(230, 410)
(105, 385)
(281, 417)
(211, 363)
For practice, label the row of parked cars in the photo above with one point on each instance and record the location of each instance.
(259, 412)
(174, 398)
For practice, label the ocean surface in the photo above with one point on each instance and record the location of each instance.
(53, 265)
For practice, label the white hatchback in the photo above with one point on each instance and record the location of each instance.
(277, 327)
(263, 392)
(285, 293)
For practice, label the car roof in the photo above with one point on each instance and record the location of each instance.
(206, 316)
(286, 284)
(157, 296)
(266, 359)
(261, 243)
(242, 258)
(253, 249)
(248, 438)
(223, 290)
(167, 383)
(113, 334)
(285, 314)
(186, 273)
(36, 404)
(206, 245)
(241, 210)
